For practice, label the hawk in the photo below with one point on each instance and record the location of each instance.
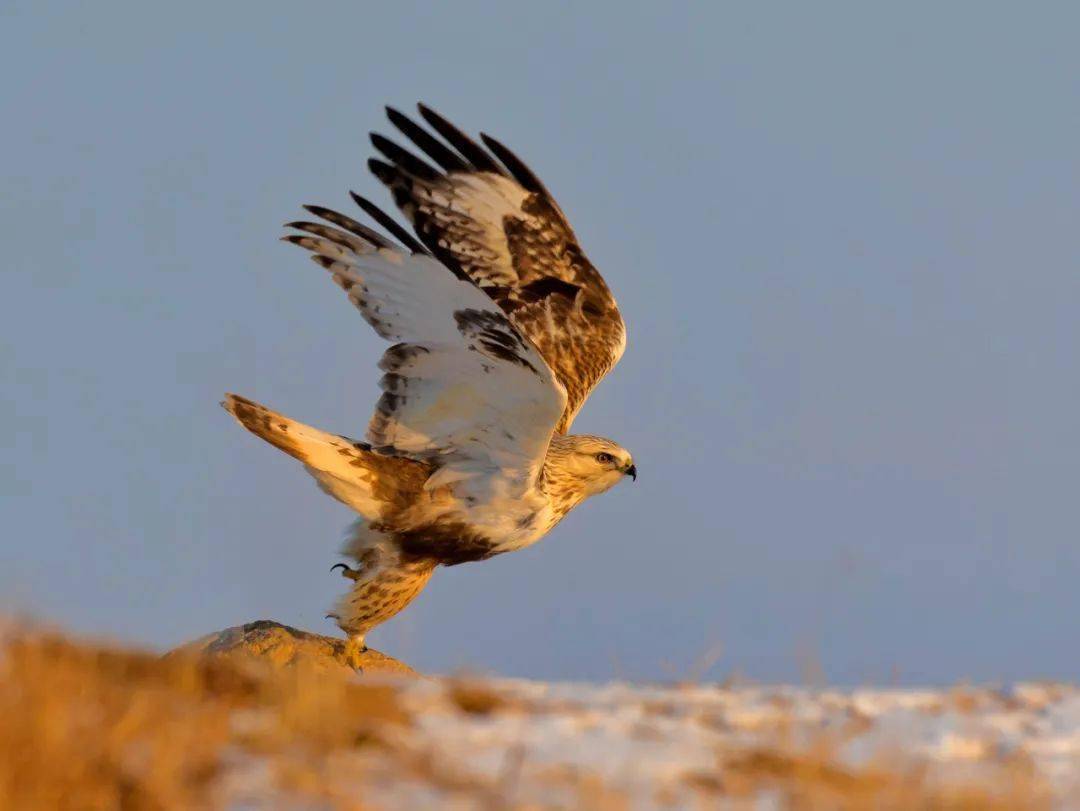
(500, 328)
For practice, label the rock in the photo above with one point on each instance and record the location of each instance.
(281, 645)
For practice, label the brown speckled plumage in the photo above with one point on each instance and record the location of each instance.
(530, 264)
(501, 327)
(381, 593)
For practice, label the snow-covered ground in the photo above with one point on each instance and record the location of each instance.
(252, 730)
(540, 745)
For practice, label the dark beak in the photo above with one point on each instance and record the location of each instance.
(632, 472)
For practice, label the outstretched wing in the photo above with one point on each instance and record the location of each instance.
(489, 219)
(462, 388)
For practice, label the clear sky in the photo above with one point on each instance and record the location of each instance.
(845, 238)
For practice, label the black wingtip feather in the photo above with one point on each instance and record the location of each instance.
(349, 224)
(449, 160)
(324, 261)
(382, 170)
(388, 222)
(403, 158)
(522, 173)
(335, 235)
(471, 150)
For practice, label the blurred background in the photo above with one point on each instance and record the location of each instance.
(844, 237)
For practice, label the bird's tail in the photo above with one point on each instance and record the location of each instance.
(371, 483)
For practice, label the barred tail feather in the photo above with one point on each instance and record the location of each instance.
(371, 483)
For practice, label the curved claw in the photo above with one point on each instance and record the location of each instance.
(347, 571)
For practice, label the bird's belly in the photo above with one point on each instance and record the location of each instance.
(468, 532)
(523, 528)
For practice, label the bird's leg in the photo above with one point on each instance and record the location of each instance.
(347, 571)
(386, 587)
(354, 646)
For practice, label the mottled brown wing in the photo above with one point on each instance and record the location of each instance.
(488, 218)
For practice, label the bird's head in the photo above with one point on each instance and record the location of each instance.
(590, 464)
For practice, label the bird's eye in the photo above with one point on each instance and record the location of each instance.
(605, 458)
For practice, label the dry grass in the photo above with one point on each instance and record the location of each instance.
(814, 780)
(475, 698)
(93, 727)
(90, 727)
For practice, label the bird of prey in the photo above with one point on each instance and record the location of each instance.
(500, 327)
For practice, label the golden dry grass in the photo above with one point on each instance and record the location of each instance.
(92, 727)
(814, 780)
(87, 726)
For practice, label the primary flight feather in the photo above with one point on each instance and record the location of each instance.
(500, 328)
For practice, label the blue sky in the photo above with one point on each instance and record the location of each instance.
(844, 237)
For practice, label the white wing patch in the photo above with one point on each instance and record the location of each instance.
(462, 387)
(476, 204)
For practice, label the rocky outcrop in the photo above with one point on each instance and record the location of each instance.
(282, 645)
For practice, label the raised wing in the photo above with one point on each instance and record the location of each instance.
(489, 219)
(462, 388)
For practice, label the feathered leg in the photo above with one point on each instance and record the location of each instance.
(385, 582)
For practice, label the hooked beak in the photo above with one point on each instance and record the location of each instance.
(631, 472)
